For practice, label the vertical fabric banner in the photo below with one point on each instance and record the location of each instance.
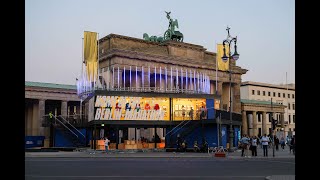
(223, 66)
(91, 54)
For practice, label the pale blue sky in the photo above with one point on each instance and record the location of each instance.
(265, 30)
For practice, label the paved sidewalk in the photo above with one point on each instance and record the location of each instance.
(89, 153)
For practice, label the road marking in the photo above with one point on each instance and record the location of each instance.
(181, 177)
(278, 161)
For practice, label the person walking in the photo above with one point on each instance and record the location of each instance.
(254, 145)
(293, 144)
(265, 141)
(276, 142)
(282, 142)
(244, 144)
(183, 112)
(106, 144)
(191, 114)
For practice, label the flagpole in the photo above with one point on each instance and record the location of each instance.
(97, 78)
(287, 103)
(216, 68)
(82, 79)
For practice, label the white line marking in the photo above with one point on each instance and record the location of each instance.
(183, 177)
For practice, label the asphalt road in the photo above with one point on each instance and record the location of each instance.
(155, 168)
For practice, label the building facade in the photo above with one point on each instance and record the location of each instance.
(42, 98)
(261, 94)
(145, 91)
(177, 76)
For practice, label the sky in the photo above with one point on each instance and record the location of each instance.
(265, 31)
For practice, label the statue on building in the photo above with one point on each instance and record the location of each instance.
(170, 33)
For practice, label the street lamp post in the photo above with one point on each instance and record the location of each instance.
(225, 58)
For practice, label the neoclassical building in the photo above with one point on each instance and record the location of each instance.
(42, 98)
(256, 107)
(145, 89)
(173, 76)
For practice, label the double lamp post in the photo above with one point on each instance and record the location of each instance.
(225, 58)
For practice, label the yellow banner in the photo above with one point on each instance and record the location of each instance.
(91, 54)
(223, 66)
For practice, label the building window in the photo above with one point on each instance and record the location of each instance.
(274, 94)
(288, 105)
(258, 92)
(293, 106)
(259, 118)
(263, 93)
(279, 95)
(269, 94)
(289, 129)
(292, 96)
(289, 119)
(294, 118)
(288, 95)
(252, 92)
(294, 129)
(284, 95)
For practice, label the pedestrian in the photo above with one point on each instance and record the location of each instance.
(254, 145)
(276, 142)
(293, 144)
(50, 116)
(179, 143)
(282, 142)
(265, 141)
(202, 113)
(106, 144)
(183, 112)
(74, 118)
(196, 146)
(244, 144)
(191, 114)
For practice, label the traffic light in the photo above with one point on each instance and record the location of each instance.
(274, 123)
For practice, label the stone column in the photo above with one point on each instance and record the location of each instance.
(236, 104)
(42, 104)
(116, 85)
(146, 81)
(244, 123)
(264, 123)
(249, 117)
(35, 120)
(254, 123)
(64, 108)
(29, 121)
(282, 119)
(163, 82)
(135, 85)
(212, 87)
(219, 88)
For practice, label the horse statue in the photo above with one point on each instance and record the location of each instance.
(152, 38)
(171, 34)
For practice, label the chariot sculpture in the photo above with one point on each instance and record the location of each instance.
(169, 34)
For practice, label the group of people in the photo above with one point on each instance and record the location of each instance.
(202, 113)
(252, 143)
(182, 145)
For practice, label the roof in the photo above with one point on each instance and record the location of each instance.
(248, 101)
(50, 85)
(280, 86)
